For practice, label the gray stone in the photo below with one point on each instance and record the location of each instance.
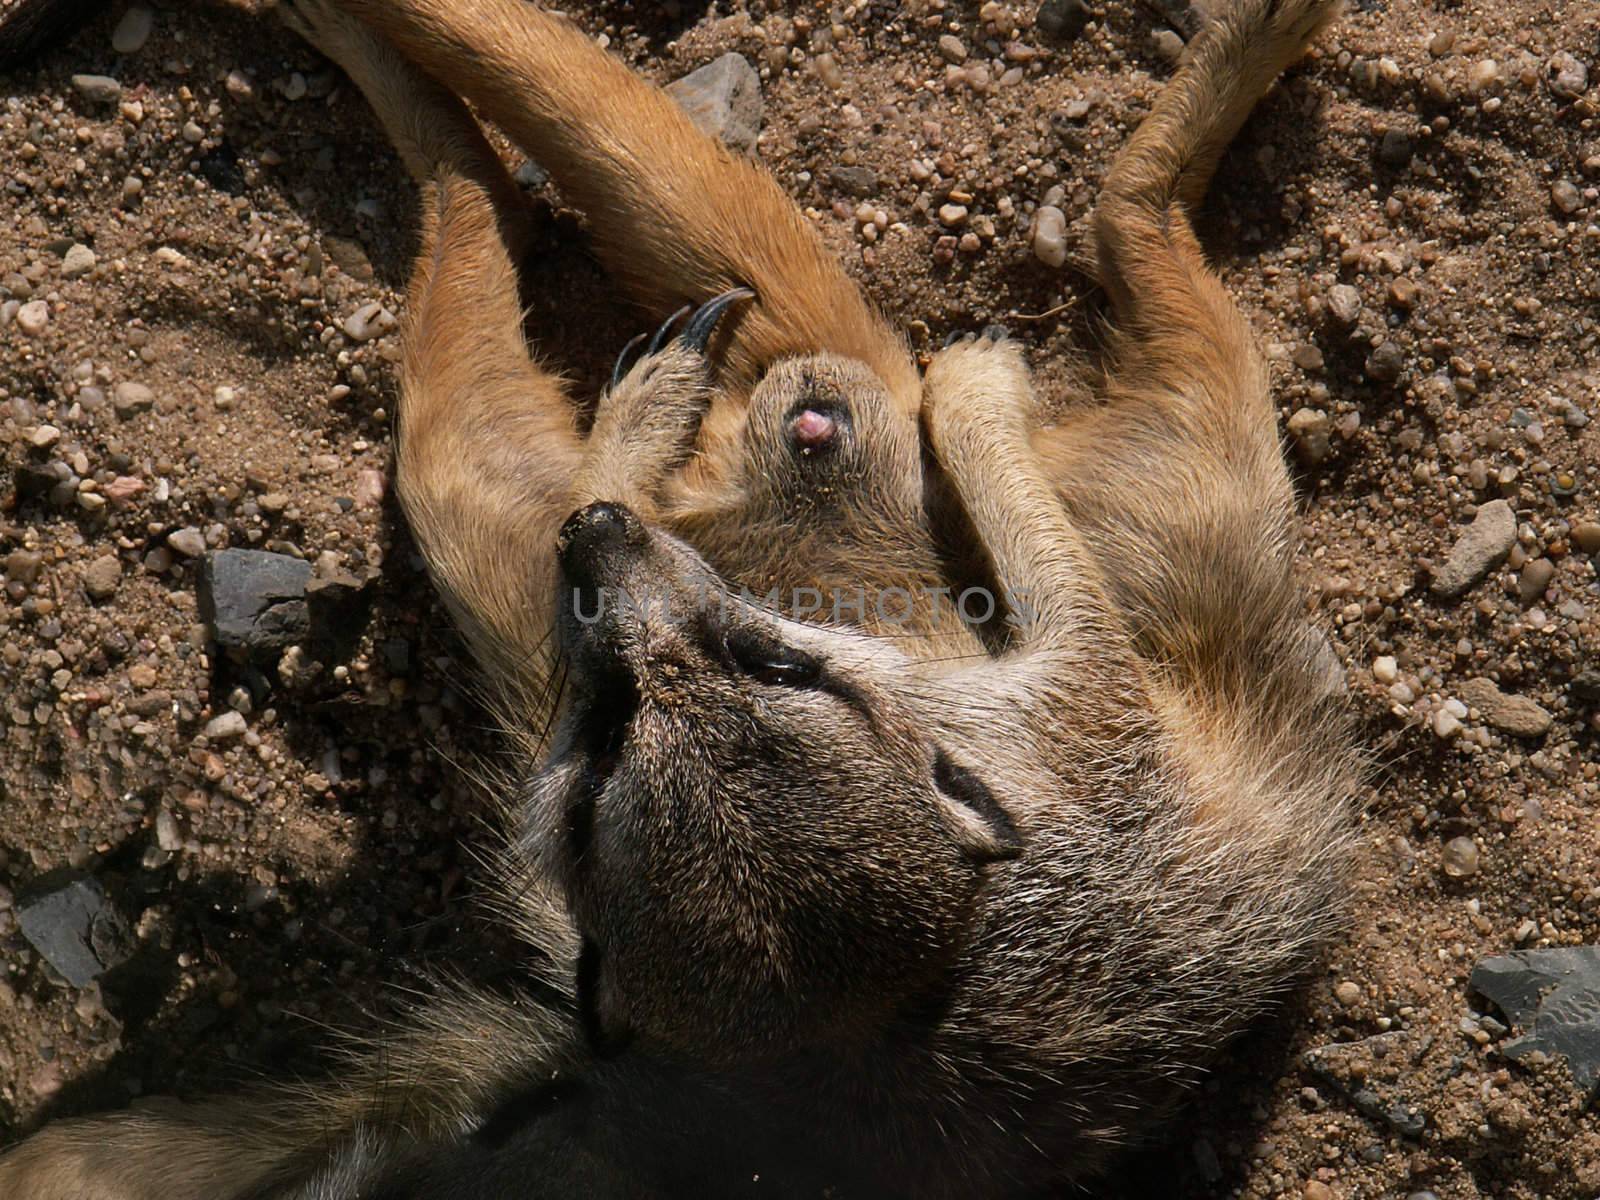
(133, 31)
(723, 99)
(1481, 548)
(255, 601)
(1344, 303)
(1516, 715)
(1555, 996)
(131, 398)
(1310, 429)
(101, 577)
(859, 182)
(1569, 78)
(78, 260)
(77, 930)
(98, 89)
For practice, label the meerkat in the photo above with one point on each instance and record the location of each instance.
(848, 908)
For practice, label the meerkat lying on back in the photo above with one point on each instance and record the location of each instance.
(838, 910)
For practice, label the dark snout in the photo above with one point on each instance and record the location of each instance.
(597, 544)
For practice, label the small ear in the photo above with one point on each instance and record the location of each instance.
(983, 829)
(601, 1011)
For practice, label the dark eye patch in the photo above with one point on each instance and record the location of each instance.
(966, 789)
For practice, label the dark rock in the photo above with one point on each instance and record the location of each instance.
(255, 600)
(723, 98)
(1555, 996)
(1586, 686)
(1394, 150)
(1385, 363)
(77, 930)
(860, 182)
(1063, 19)
(1370, 1074)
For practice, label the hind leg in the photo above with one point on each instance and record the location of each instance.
(1178, 482)
(488, 451)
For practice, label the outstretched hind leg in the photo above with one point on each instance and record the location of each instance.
(488, 450)
(1178, 481)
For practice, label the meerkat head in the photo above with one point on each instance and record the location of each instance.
(760, 844)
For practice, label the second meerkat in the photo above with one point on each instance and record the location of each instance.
(834, 910)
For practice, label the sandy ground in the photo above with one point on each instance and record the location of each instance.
(1426, 183)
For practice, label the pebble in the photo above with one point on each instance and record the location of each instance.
(102, 577)
(78, 260)
(952, 214)
(1535, 578)
(1481, 548)
(1516, 715)
(1394, 148)
(23, 566)
(1482, 75)
(226, 726)
(77, 930)
(168, 836)
(1403, 294)
(1460, 858)
(1167, 45)
(723, 99)
(1308, 357)
(188, 541)
(369, 321)
(44, 437)
(1385, 669)
(1344, 303)
(1565, 196)
(1050, 236)
(131, 398)
(255, 600)
(33, 317)
(133, 31)
(1315, 1190)
(1347, 993)
(1446, 724)
(98, 89)
(1385, 363)
(1063, 19)
(952, 49)
(1310, 430)
(1569, 78)
(1586, 536)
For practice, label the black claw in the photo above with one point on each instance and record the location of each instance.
(697, 333)
(660, 338)
(626, 359)
(958, 335)
(996, 333)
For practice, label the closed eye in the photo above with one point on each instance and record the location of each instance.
(771, 662)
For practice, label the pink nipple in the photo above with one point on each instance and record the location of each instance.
(812, 429)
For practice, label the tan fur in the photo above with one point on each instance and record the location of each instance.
(875, 907)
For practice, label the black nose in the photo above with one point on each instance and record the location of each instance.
(595, 537)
